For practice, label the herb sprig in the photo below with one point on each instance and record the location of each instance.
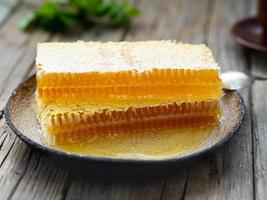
(58, 16)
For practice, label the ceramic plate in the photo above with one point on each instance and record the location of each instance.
(20, 116)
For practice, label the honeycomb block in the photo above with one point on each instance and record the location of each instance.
(75, 125)
(93, 89)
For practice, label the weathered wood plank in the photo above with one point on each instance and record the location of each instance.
(113, 189)
(10, 3)
(4, 11)
(228, 174)
(6, 8)
(33, 3)
(172, 20)
(258, 68)
(22, 66)
(259, 102)
(19, 164)
(41, 180)
(259, 105)
(17, 51)
(24, 62)
(175, 187)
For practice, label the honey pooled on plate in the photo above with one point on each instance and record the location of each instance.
(94, 89)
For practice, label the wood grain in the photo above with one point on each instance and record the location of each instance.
(225, 174)
(259, 122)
(175, 186)
(4, 11)
(259, 66)
(259, 125)
(17, 51)
(6, 8)
(259, 100)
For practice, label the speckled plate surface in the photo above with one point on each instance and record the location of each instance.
(20, 116)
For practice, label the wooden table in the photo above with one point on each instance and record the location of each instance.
(236, 171)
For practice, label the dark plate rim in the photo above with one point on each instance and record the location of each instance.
(118, 160)
(242, 41)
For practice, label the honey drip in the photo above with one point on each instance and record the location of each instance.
(145, 145)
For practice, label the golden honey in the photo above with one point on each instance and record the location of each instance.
(145, 145)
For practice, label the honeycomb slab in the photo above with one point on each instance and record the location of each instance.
(94, 89)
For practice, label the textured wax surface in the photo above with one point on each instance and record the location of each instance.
(81, 57)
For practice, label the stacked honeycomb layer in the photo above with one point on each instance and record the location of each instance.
(81, 123)
(162, 84)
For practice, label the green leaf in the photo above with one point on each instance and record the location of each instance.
(59, 15)
(27, 21)
(132, 11)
